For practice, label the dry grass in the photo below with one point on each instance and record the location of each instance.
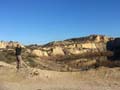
(66, 63)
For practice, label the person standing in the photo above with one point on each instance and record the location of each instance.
(18, 51)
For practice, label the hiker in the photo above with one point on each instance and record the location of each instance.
(18, 56)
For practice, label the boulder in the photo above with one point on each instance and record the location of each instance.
(39, 53)
(28, 51)
(58, 51)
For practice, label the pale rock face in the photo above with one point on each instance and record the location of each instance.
(79, 45)
(45, 54)
(76, 51)
(71, 46)
(9, 44)
(46, 49)
(101, 38)
(106, 39)
(58, 51)
(36, 53)
(39, 53)
(101, 47)
(98, 39)
(3, 45)
(89, 45)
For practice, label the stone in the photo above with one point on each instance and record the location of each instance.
(79, 46)
(28, 51)
(58, 51)
(98, 39)
(3, 44)
(39, 53)
(10, 44)
(106, 39)
(72, 46)
(74, 51)
(89, 45)
(45, 54)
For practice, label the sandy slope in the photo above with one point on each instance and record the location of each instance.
(100, 79)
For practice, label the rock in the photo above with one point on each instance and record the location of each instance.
(39, 53)
(58, 51)
(77, 51)
(101, 47)
(10, 44)
(46, 49)
(71, 46)
(74, 51)
(89, 45)
(28, 51)
(106, 39)
(3, 44)
(45, 54)
(79, 45)
(98, 39)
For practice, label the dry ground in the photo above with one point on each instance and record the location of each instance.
(35, 79)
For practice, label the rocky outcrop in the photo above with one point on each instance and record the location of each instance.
(57, 51)
(91, 38)
(39, 53)
(83, 45)
(89, 45)
(10, 44)
(68, 55)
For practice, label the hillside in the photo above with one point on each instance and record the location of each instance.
(69, 55)
(91, 38)
(84, 63)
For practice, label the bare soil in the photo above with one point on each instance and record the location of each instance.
(35, 79)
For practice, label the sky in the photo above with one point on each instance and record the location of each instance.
(43, 21)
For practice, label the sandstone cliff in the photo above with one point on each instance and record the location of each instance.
(89, 44)
(10, 44)
(68, 55)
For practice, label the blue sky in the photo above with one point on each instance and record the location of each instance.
(42, 21)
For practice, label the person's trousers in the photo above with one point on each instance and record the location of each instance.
(19, 59)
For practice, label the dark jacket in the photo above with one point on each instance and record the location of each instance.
(18, 51)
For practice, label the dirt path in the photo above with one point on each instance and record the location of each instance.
(35, 79)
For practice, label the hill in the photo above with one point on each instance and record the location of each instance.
(83, 63)
(73, 54)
